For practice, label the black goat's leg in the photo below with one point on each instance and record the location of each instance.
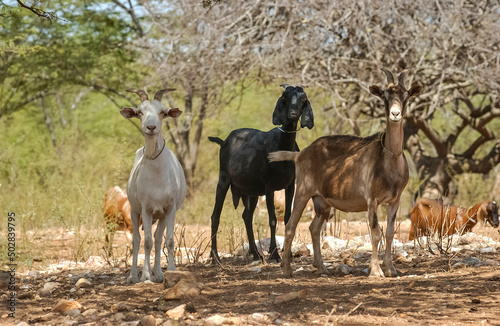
(250, 203)
(289, 192)
(273, 251)
(222, 188)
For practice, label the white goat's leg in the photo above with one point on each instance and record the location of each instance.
(389, 269)
(134, 272)
(375, 270)
(300, 203)
(170, 222)
(315, 229)
(160, 230)
(147, 222)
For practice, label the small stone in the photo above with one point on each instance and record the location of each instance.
(89, 313)
(183, 289)
(119, 306)
(48, 288)
(73, 313)
(147, 321)
(174, 277)
(176, 312)
(63, 306)
(216, 320)
(83, 283)
(119, 316)
(349, 261)
(342, 270)
(23, 324)
(300, 250)
(130, 323)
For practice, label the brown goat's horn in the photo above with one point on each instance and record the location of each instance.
(401, 78)
(161, 92)
(139, 92)
(390, 77)
(285, 85)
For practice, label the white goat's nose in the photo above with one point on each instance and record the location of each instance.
(151, 127)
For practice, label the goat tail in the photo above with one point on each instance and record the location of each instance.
(282, 156)
(216, 140)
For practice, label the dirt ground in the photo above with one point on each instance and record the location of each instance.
(429, 291)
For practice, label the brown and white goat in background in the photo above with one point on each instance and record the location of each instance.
(353, 174)
(156, 187)
(116, 211)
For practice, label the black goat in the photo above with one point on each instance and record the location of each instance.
(244, 166)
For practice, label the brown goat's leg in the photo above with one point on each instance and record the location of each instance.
(322, 210)
(315, 228)
(375, 270)
(389, 269)
(300, 203)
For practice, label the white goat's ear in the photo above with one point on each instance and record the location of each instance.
(173, 113)
(375, 90)
(129, 113)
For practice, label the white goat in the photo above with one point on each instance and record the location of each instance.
(156, 187)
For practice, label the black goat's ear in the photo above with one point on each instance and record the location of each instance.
(414, 90)
(307, 119)
(279, 114)
(129, 113)
(375, 90)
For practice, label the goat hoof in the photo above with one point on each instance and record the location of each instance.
(287, 273)
(145, 277)
(158, 278)
(274, 258)
(376, 272)
(215, 259)
(132, 279)
(390, 271)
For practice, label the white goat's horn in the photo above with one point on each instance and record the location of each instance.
(161, 92)
(142, 94)
(390, 77)
(401, 78)
(285, 85)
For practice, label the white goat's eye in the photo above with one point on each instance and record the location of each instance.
(139, 113)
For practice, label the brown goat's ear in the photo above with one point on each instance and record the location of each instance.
(129, 113)
(375, 90)
(173, 113)
(414, 90)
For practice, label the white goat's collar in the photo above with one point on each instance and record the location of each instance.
(154, 158)
(382, 137)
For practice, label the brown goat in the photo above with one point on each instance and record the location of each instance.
(116, 209)
(429, 217)
(353, 174)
